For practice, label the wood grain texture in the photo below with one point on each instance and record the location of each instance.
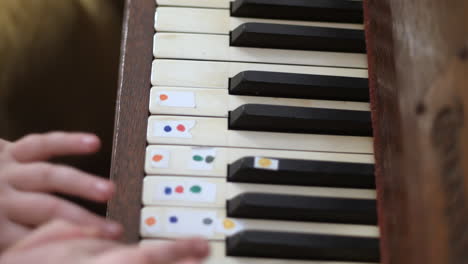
(418, 61)
(128, 157)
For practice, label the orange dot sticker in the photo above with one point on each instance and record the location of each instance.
(163, 97)
(228, 224)
(158, 158)
(150, 221)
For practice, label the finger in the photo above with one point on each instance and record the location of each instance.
(190, 261)
(170, 253)
(33, 209)
(46, 146)
(44, 177)
(133, 255)
(3, 143)
(54, 231)
(11, 233)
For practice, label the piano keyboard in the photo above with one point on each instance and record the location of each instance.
(260, 136)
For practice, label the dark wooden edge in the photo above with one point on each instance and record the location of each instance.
(418, 73)
(127, 169)
(380, 65)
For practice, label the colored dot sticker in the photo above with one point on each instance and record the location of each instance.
(265, 162)
(228, 224)
(196, 189)
(150, 221)
(163, 97)
(181, 128)
(207, 221)
(179, 189)
(197, 158)
(209, 159)
(168, 128)
(168, 190)
(173, 219)
(158, 158)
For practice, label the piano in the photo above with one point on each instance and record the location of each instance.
(295, 131)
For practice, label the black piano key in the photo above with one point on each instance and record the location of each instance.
(290, 119)
(278, 36)
(343, 11)
(305, 173)
(304, 86)
(303, 208)
(303, 246)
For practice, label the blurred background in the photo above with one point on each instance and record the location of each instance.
(58, 71)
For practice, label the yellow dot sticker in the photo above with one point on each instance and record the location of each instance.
(266, 163)
(228, 224)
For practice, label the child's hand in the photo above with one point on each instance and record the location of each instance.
(61, 242)
(26, 180)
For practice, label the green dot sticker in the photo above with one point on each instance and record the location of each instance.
(197, 158)
(209, 159)
(196, 189)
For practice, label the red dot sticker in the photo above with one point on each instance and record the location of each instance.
(163, 97)
(179, 189)
(157, 158)
(181, 128)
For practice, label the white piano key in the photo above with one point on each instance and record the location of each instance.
(217, 48)
(218, 103)
(205, 131)
(177, 222)
(218, 255)
(214, 192)
(178, 160)
(199, 3)
(211, 74)
(195, 3)
(219, 21)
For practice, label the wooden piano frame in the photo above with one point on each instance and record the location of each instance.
(418, 73)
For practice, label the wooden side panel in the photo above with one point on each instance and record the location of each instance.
(418, 57)
(128, 157)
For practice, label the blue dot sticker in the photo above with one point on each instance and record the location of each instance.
(168, 129)
(173, 219)
(168, 190)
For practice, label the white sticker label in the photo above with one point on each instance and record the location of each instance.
(202, 159)
(190, 191)
(160, 158)
(176, 99)
(201, 191)
(190, 223)
(174, 129)
(266, 163)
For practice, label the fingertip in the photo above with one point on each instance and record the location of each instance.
(91, 142)
(202, 248)
(112, 230)
(105, 190)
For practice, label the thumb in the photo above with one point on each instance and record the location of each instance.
(56, 231)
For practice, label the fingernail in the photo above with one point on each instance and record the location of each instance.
(113, 229)
(88, 140)
(103, 187)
